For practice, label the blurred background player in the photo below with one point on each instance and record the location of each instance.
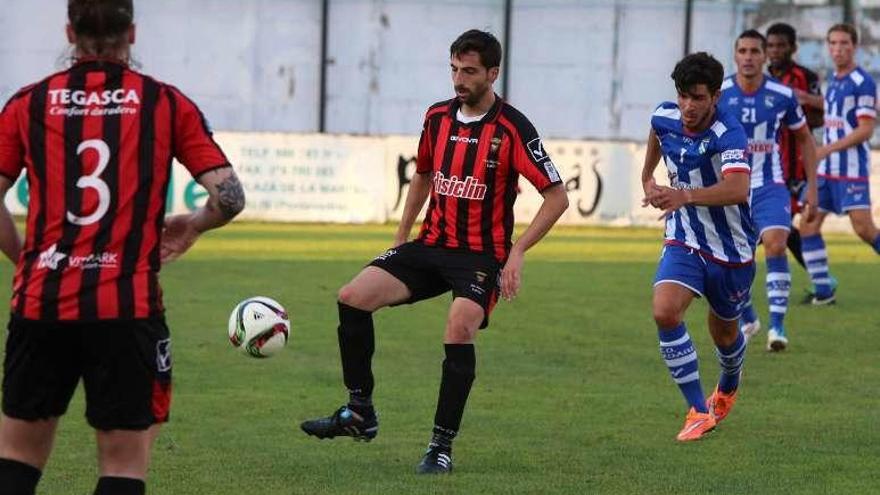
(850, 116)
(710, 239)
(764, 107)
(472, 149)
(781, 47)
(97, 142)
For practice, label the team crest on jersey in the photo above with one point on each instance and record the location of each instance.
(769, 101)
(494, 145)
(704, 146)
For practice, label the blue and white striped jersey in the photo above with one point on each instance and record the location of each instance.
(848, 98)
(723, 233)
(762, 115)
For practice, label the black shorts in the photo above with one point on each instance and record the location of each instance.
(429, 271)
(125, 367)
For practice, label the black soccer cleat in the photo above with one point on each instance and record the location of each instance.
(437, 460)
(344, 423)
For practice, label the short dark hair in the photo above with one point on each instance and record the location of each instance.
(100, 18)
(783, 29)
(845, 28)
(752, 34)
(698, 68)
(484, 43)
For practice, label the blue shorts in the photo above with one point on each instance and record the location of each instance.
(726, 288)
(841, 196)
(771, 208)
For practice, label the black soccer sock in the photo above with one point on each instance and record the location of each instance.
(18, 478)
(356, 346)
(112, 485)
(458, 376)
(794, 245)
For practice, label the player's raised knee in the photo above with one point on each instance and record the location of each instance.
(666, 318)
(351, 295)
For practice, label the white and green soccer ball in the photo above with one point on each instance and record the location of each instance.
(259, 327)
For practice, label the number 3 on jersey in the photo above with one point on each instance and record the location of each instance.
(93, 181)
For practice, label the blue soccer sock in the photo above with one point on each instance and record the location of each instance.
(778, 289)
(748, 314)
(681, 358)
(731, 360)
(817, 264)
(876, 244)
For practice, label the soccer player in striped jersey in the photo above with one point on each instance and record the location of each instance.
(472, 150)
(764, 106)
(710, 239)
(96, 142)
(850, 116)
(781, 47)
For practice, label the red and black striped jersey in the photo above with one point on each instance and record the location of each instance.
(796, 77)
(97, 142)
(474, 168)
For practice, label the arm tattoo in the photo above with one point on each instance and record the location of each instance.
(231, 197)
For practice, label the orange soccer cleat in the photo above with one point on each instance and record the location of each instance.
(696, 425)
(720, 404)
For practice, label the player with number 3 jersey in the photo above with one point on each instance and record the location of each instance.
(96, 143)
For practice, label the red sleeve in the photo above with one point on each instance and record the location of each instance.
(11, 145)
(425, 158)
(194, 145)
(531, 160)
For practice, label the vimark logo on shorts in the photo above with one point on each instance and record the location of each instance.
(469, 188)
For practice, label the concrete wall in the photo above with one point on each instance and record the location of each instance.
(578, 68)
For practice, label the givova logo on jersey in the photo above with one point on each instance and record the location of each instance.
(467, 188)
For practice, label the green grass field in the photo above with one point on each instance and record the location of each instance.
(571, 395)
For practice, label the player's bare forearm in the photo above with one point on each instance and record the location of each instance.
(225, 199)
(554, 205)
(418, 191)
(813, 102)
(859, 135)
(652, 157)
(808, 149)
(731, 190)
(815, 117)
(10, 242)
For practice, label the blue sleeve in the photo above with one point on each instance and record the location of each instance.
(794, 114)
(866, 99)
(732, 148)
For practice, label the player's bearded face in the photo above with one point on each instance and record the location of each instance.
(470, 79)
(697, 106)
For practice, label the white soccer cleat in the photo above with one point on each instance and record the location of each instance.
(776, 341)
(749, 330)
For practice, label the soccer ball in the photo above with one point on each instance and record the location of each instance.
(259, 327)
